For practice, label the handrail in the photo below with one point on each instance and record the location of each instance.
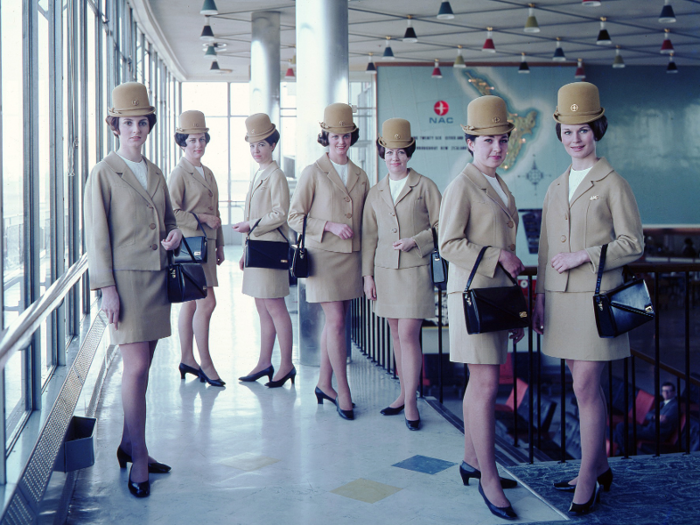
(673, 371)
(639, 267)
(18, 335)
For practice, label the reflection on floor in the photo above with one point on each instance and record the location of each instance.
(247, 454)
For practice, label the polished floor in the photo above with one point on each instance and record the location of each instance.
(247, 454)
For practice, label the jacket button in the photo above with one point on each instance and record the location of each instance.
(153, 226)
(563, 238)
(348, 215)
(510, 224)
(512, 247)
(149, 206)
(154, 246)
(393, 214)
(347, 199)
(394, 230)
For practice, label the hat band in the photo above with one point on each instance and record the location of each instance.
(580, 113)
(252, 136)
(187, 131)
(396, 144)
(131, 112)
(474, 130)
(339, 129)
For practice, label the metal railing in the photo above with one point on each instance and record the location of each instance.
(372, 336)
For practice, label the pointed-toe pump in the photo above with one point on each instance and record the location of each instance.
(321, 395)
(269, 372)
(276, 384)
(345, 414)
(153, 468)
(506, 513)
(141, 489)
(413, 424)
(213, 382)
(391, 411)
(579, 509)
(605, 480)
(467, 472)
(186, 369)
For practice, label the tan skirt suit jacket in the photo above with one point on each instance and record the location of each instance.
(124, 224)
(603, 210)
(191, 193)
(335, 264)
(404, 287)
(268, 201)
(472, 216)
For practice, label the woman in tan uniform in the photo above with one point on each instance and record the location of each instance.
(479, 211)
(397, 240)
(588, 206)
(331, 194)
(195, 195)
(266, 210)
(129, 225)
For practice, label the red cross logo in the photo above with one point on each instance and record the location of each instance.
(441, 108)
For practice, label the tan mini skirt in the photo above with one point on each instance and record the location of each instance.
(407, 293)
(210, 266)
(144, 313)
(264, 283)
(333, 276)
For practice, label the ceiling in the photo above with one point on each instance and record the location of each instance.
(633, 25)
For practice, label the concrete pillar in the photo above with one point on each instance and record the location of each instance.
(265, 67)
(322, 79)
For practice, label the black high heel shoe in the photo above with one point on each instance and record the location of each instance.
(605, 480)
(186, 369)
(507, 513)
(321, 395)
(269, 372)
(391, 411)
(276, 384)
(153, 468)
(579, 509)
(141, 489)
(213, 382)
(467, 472)
(413, 425)
(345, 414)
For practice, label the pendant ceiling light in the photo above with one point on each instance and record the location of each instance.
(531, 25)
(558, 55)
(618, 63)
(667, 15)
(590, 3)
(488, 43)
(215, 67)
(459, 59)
(603, 35)
(209, 8)
(371, 68)
(672, 67)
(289, 75)
(210, 53)
(207, 34)
(580, 73)
(445, 12)
(666, 45)
(524, 68)
(410, 34)
(388, 52)
(436, 70)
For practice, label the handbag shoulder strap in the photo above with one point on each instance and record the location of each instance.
(435, 241)
(278, 229)
(476, 265)
(300, 240)
(601, 267)
(199, 224)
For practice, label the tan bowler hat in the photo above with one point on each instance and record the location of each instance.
(192, 121)
(130, 100)
(578, 103)
(487, 115)
(258, 127)
(396, 134)
(337, 118)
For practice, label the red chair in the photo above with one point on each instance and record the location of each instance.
(510, 405)
(669, 444)
(644, 403)
(506, 371)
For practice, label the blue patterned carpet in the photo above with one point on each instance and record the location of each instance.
(645, 490)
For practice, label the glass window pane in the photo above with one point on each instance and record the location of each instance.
(208, 97)
(240, 99)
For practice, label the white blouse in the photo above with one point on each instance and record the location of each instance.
(342, 170)
(575, 179)
(139, 169)
(493, 181)
(396, 186)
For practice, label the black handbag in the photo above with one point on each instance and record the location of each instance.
(192, 249)
(299, 267)
(186, 281)
(439, 267)
(624, 308)
(494, 309)
(266, 254)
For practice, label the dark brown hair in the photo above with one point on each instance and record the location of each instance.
(323, 137)
(467, 137)
(181, 139)
(598, 127)
(114, 122)
(408, 149)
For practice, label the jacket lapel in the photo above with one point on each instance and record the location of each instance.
(189, 168)
(326, 166)
(478, 178)
(385, 192)
(115, 162)
(264, 175)
(413, 179)
(599, 171)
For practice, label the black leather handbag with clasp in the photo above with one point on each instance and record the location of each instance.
(299, 266)
(192, 249)
(273, 255)
(186, 281)
(439, 267)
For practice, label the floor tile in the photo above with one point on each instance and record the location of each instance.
(366, 490)
(424, 464)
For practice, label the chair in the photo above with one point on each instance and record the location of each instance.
(644, 403)
(506, 371)
(510, 405)
(649, 445)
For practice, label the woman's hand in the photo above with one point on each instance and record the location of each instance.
(405, 245)
(516, 334)
(210, 220)
(562, 262)
(339, 230)
(219, 255)
(538, 318)
(370, 288)
(241, 263)
(242, 227)
(510, 263)
(111, 305)
(173, 239)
